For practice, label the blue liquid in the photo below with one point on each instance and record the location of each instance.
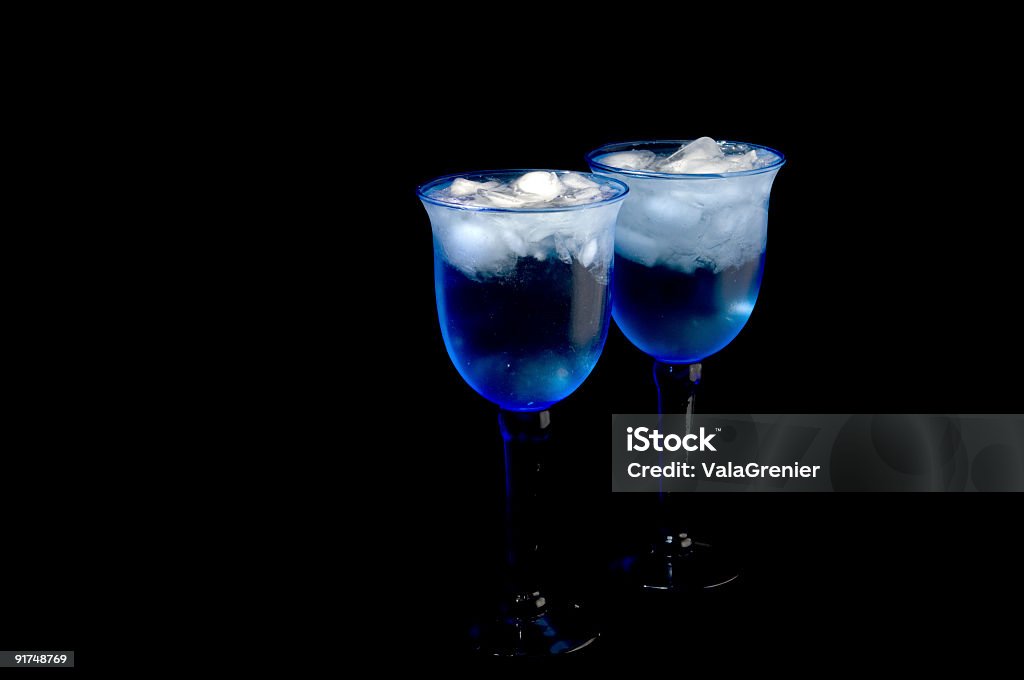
(528, 339)
(679, 317)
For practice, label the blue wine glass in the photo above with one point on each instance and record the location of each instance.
(689, 257)
(524, 304)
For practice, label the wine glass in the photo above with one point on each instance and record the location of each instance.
(689, 257)
(524, 303)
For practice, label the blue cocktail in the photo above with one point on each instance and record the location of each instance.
(690, 243)
(689, 256)
(523, 281)
(522, 272)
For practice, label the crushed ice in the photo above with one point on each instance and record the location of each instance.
(712, 222)
(485, 243)
(702, 156)
(538, 189)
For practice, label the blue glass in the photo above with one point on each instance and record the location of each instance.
(689, 258)
(524, 303)
(689, 252)
(523, 295)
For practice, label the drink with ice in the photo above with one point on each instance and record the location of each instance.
(522, 273)
(690, 241)
(689, 256)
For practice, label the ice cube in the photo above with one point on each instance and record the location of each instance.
(563, 247)
(668, 213)
(574, 180)
(745, 161)
(582, 196)
(514, 240)
(472, 246)
(541, 186)
(680, 167)
(720, 228)
(588, 253)
(467, 187)
(500, 199)
(705, 157)
(636, 246)
(735, 232)
(699, 166)
(713, 192)
(703, 148)
(628, 160)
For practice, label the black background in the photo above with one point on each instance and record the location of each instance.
(885, 290)
(890, 286)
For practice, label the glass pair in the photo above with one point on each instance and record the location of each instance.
(530, 265)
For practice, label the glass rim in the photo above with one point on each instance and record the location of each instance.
(623, 146)
(422, 189)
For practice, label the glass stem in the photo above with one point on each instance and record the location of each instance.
(527, 443)
(677, 387)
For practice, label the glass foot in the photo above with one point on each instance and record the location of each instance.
(533, 627)
(680, 563)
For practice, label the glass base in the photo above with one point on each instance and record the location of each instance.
(532, 626)
(682, 564)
